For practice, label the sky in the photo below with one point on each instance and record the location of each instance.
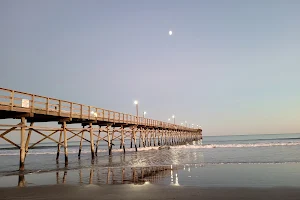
(230, 66)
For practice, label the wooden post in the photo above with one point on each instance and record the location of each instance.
(65, 143)
(123, 144)
(158, 138)
(131, 140)
(154, 137)
(80, 145)
(166, 133)
(22, 145)
(134, 137)
(111, 141)
(144, 138)
(108, 140)
(96, 152)
(28, 139)
(58, 145)
(92, 141)
(151, 132)
(140, 137)
(121, 138)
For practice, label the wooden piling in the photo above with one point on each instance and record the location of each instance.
(98, 139)
(123, 142)
(28, 139)
(92, 141)
(140, 137)
(144, 138)
(147, 136)
(65, 142)
(80, 145)
(134, 137)
(108, 140)
(22, 144)
(111, 140)
(154, 138)
(58, 146)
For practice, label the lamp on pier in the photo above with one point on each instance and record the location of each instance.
(173, 116)
(144, 113)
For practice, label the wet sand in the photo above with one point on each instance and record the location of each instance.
(146, 192)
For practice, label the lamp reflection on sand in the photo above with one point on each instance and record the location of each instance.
(174, 180)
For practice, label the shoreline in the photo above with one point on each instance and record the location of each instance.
(147, 191)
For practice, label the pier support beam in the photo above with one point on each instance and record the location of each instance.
(92, 141)
(134, 136)
(111, 140)
(80, 145)
(122, 140)
(65, 143)
(140, 137)
(98, 139)
(58, 146)
(22, 145)
(108, 139)
(28, 139)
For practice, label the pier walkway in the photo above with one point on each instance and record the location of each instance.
(101, 124)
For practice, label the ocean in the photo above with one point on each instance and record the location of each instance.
(217, 161)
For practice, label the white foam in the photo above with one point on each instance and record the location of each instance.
(71, 151)
(210, 146)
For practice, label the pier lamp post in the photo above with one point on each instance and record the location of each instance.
(173, 116)
(144, 113)
(186, 123)
(169, 120)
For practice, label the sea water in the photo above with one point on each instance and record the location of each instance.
(243, 160)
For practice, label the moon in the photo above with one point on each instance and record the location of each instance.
(170, 32)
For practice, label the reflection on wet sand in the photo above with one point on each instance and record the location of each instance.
(110, 175)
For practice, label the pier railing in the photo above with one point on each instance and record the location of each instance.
(12, 100)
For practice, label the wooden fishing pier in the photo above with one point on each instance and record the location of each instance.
(100, 124)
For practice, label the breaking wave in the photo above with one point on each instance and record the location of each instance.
(70, 151)
(210, 146)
